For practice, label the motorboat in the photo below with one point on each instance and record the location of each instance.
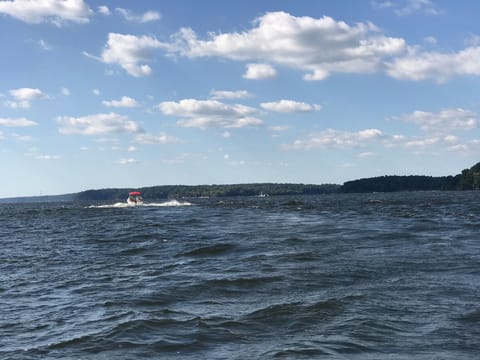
(135, 198)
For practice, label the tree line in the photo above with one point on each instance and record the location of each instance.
(179, 191)
(469, 179)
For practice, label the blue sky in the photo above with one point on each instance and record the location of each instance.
(97, 94)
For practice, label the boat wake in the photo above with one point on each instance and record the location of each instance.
(125, 205)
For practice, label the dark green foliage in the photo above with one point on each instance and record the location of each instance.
(397, 183)
(469, 179)
(178, 191)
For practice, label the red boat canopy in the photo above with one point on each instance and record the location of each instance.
(133, 193)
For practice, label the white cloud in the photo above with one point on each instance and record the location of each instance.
(44, 45)
(331, 138)
(104, 10)
(289, 106)
(435, 66)
(21, 122)
(260, 72)
(227, 135)
(128, 161)
(48, 157)
(382, 4)
(240, 94)
(23, 97)
(443, 122)
(366, 154)
(418, 6)
(280, 128)
(125, 101)
(210, 113)
(421, 143)
(25, 138)
(97, 124)
(318, 46)
(132, 149)
(155, 139)
(57, 12)
(407, 7)
(65, 91)
(144, 18)
(26, 94)
(96, 92)
(452, 139)
(130, 52)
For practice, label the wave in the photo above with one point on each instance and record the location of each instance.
(210, 250)
(120, 205)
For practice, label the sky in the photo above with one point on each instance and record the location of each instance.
(102, 94)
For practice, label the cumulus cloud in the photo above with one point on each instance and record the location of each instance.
(57, 12)
(434, 65)
(97, 124)
(331, 138)
(104, 10)
(290, 106)
(223, 94)
(23, 96)
(130, 52)
(210, 113)
(442, 122)
(20, 122)
(260, 72)
(144, 18)
(125, 101)
(318, 46)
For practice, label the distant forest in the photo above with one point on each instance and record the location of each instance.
(469, 179)
(178, 191)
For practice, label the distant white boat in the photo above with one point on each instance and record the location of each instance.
(263, 195)
(135, 198)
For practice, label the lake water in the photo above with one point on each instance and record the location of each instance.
(344, 276)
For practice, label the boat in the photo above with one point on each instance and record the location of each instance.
(135, 198)
(262, 195)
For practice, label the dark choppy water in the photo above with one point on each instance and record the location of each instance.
(378, 276)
